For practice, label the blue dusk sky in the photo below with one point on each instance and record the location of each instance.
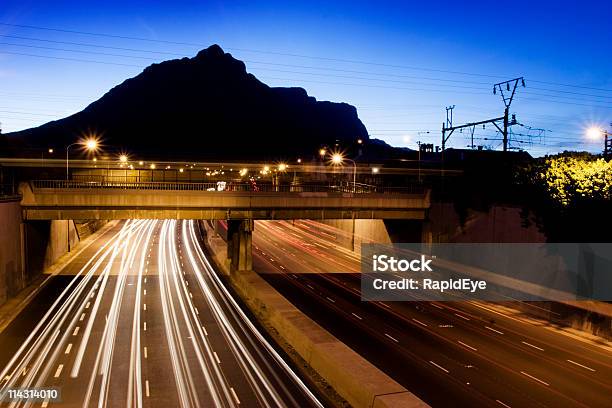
(399, 63)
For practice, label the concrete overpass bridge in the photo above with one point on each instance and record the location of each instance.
(240, 204)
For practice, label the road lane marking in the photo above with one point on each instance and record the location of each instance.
(87, 305)
(144, 306)
(580, 365)
(147, 388)
(196, 310)
(330, 299)
(531, 345)
(68, 348)
(234, 395)
(493, 330)
(461, 316)
(59, 370)
(420, 322)
(467, 345)
(310, 286)
(357, 316)
(145, 326)
(82, 317)
(437, 306)
(502, 404)
(145, 280)
(76, 331)
(205, 332)
(281, 266)
(535, 378)
(439, 366)
(145, 292)
(392, 338)
(191, 295)
(44, 404)
(146, 352)
(216, 357)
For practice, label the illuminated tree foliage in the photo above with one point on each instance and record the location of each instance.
(569, 179)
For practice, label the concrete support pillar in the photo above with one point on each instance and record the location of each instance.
(239, 244)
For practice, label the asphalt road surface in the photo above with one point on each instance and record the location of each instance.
(140, 319)
(448, 353)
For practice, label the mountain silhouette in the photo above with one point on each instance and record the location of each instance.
(205, 107)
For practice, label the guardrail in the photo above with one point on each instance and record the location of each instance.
(226, 186)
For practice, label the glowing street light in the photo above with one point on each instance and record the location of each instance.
(595, 133)
(123, 158)
(90, 144)
(338, 159)
(152, 166)
(375, 170)
(282, 167)
(243, 172)
(322, 152)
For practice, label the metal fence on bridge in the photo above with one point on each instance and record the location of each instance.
(357, 188)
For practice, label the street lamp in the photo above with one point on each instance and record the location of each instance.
(123, 158)
(338, 159)
(90, 145)
(596, 133)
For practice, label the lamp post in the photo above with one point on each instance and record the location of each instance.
(90, 145)
(338, 159)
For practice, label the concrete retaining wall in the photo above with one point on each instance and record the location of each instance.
(12, 267)
(352, 377)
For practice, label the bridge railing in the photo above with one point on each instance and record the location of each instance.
(358, 188)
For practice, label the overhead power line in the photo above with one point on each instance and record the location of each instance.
(133, 38)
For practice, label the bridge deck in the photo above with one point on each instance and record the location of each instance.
(44, 201)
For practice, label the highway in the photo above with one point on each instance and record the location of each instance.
(448, 353)
(140, 319)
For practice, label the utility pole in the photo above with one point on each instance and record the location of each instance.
(507, 90)
(507, 96)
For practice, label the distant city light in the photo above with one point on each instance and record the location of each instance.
(337, 158)
(50, 150)
(94, 159)
(322, 152)
(180, 170)
(141, 162)
(282, 167)
(123, 158)
(299, 160)
(359, 141)
(375, 170)
(243, 172)
(152, 166)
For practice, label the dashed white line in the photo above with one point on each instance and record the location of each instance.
(467, 345)
(59, 370)
(437, 306)
(146, 352)
(87, 305)
(493, 330)
(144, 306)
(535, 378)
(68, 348)
(531, 345)
(76, 331)
(420, 322)
(502, 404)
(205, 332)
(581, 365)
(145, 292)
(196, 310)
(82, 317)
(357, 316)
(330, 299)
(147, 393)
(145, 326)
(461, 316)
(216, 357)
(392, 338)
(234, 395)
(439, 366)
(44, 404)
